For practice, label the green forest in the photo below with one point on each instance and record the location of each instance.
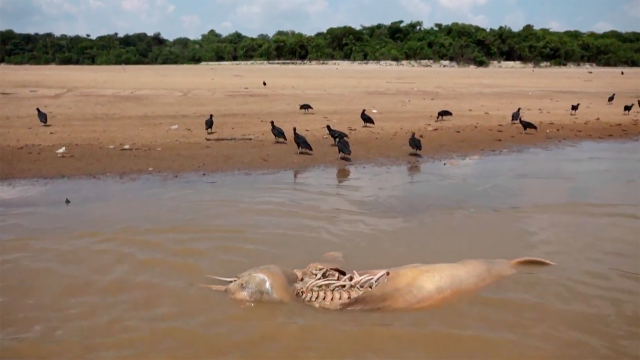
(463, 43)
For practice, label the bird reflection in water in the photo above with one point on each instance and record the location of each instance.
(342, 175)
(296, 173)
(413, 169)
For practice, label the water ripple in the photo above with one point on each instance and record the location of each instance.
(118, 270)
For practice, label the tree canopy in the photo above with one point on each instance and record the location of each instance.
(463, 43)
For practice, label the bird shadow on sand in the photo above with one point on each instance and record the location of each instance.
(211, 133)
(346, 159)
(367, 127)
(46, 125)
(309, 113)
(280, 143)
(416, 155)
(304, 153)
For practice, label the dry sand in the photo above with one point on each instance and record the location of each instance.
(94, 111)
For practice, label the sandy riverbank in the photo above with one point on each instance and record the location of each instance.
(95, 111)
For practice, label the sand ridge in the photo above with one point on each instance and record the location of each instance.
(95, 110)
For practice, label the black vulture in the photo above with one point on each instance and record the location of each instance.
(301, 141)
(66, 201)
(277, 132)
(343, 148)
(527, 125)
(627, 108)
(442, 114)
(42, 116)
(366, 118)
(415, 143)
(264, 83)
(574, 108)
(610, 99)
(306, 107)
(515, 116)
(336, 134)
(208, 124)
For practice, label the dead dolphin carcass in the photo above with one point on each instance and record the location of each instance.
(415, 286)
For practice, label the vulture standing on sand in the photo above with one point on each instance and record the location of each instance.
(301, 141)
(515, 116)
(610, 99)
(366, 118)
(343, 148)
(415, 143)
(42, 116)
(442, 114)
(627, 108)
(277, 132)
(208, 124)
(336, 134)
(527, 125)
(574, 108)
(306, 107)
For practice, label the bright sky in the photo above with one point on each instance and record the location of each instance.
(191, 18)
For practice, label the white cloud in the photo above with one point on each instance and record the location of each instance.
(602, 27)
(147, 7)
(251, 7)
(515, 20)
(633, 8)
(556, 26)
(417, 7)
(463, 5)
(479, 20)
(135, 5)
(142, 15)
(59, 6)
(462, 10)
(190, 21)
(255, 14)
(95, 4)
(226, 25)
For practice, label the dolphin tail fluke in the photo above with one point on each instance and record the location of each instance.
(531, 261)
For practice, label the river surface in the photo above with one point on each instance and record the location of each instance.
(115, 274)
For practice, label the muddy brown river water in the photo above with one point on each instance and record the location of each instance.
(115, 275)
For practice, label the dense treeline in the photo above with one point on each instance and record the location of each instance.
(462, 43)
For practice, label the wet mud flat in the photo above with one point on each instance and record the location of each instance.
(150, 119)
